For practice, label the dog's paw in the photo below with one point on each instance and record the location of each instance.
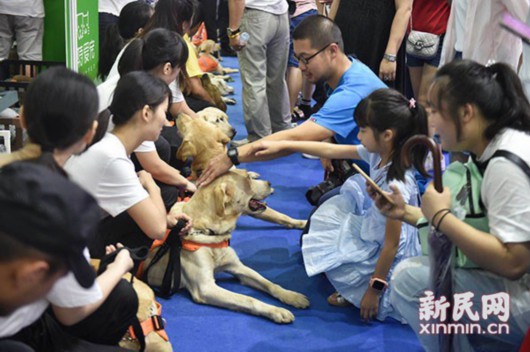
(229, 101)
(253, 175)
(281, 315)
(294, 299)
(296, 224)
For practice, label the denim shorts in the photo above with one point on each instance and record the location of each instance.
(294, 22)
(413, 61)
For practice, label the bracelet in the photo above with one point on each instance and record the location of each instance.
(437, 213)
(389, 57)
(442, 219)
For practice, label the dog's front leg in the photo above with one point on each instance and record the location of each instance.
(252, 278)
(210, 293)
(276, 217)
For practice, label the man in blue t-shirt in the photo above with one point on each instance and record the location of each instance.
(318, 47)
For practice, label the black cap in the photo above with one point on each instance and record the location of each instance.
(49, 213)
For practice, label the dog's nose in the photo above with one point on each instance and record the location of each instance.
(234, 132)
(268, 184)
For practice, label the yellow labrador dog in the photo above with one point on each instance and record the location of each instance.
(219, 119)
(202, 141)
(205, 250)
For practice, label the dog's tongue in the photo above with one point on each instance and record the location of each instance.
(256, 205)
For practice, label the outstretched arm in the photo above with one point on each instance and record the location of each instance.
(308, 131)
(321, 149)
(162, 171)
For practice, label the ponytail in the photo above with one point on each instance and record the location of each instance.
(419, 125)
(388, 109)
(515, 109)
(112, 45)
(156, 48)
(495, 90)
(131, 60)
(134, 91)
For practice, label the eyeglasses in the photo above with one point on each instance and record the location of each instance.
(305, 60)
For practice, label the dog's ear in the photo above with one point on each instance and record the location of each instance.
(224, 193)
(186, 150)
(182, 122)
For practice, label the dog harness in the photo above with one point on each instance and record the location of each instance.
(154, 323)
(193, 246)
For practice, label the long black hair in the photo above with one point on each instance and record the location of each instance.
(495, 90)
(171, 14)
(133, 17)
(388, 109)
(157, 47)
(134, 91)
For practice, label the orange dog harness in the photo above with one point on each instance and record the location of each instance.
(193, 246)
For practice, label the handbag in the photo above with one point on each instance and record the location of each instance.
(422, 45)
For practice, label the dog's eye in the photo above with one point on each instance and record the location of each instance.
(217, 120)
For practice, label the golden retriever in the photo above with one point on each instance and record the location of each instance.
(202, 141)
(215, 210)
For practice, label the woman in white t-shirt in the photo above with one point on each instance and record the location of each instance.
(162, 53)
(133, 210)
(476, 109)
(103, 312)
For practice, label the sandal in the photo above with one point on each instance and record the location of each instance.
(138, 255)
(337, 300)
(297, 115)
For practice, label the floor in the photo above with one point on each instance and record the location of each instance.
(275, 253)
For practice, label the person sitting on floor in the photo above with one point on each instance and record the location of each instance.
(349, 240)
(134, 213)
(162, 53)
(481, 110)
(52, 127)
(133, 17)
(45, 224)
(319, 49)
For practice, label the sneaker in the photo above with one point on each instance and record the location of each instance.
(240, 142)
(309, 156)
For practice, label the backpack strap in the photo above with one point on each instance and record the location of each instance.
(514, 158)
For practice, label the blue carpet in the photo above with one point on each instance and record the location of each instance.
(275, 253)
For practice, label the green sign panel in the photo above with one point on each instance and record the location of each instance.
(71, 34)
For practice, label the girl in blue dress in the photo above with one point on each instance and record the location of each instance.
(349, 239)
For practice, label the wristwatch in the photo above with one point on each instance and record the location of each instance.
(232, 33)
(233, 155)
(389, 57)
(378, 284)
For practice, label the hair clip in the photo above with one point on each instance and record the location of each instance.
(412, 103)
